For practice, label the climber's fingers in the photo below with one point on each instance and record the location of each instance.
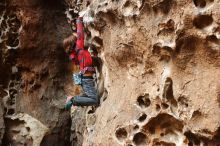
(82, 13)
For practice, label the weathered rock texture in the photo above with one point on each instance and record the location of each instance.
(161, 70)
(159, 80)
(32, 73)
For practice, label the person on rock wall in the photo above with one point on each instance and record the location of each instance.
(74, 45)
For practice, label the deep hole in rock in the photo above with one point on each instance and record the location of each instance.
(28, 129)
(87, 3)
(202, 21)
(156, 49)
(98, 41)
(157, 107)
(142, 118)
(193, 139)
(167, 27)
(73, 13)
(92, 110)
(217, 136)
(127, 4)
(12, 91)
(12, 40)
(13, 99)
(11, 112)
(168, 91)
(11, 84)
(121, 134)
(168, 88)
(140, 139)
(163, 122)
(200, 3)
(212, 38)
(164, 105)
(14, 23)
(168, 49)
(182, 100)
(136, 127)
(196, 114)
(144, 101)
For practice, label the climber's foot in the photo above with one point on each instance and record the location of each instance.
(69, 102)
(68, 98)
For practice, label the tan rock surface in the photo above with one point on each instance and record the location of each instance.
(159, 80)
(161, 72)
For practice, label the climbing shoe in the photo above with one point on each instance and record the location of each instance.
(69, 102)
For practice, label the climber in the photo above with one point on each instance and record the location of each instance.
(74, 45)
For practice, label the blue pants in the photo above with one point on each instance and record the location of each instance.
(90, 96)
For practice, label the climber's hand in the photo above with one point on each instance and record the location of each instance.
(82, 13)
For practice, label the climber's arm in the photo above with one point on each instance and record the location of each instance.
(73, 58)
(80, 34)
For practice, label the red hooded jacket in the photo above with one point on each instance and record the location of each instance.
(81, 56)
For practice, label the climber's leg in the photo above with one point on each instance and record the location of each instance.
(89, 89)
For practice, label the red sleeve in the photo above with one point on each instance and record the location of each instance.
(73, 58)
(80, 34)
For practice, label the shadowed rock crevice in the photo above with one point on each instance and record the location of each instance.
(140, 139)
(202, 21)
(196, 139)
(142, 118)
(144, 101)
(161, 126)
(202, 3)
(168, 91)
(164, 52)
(121, 134)
(213, 38)
(166, 28)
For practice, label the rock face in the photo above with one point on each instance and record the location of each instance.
(33, 72)
(159, 81)
(161, 61)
